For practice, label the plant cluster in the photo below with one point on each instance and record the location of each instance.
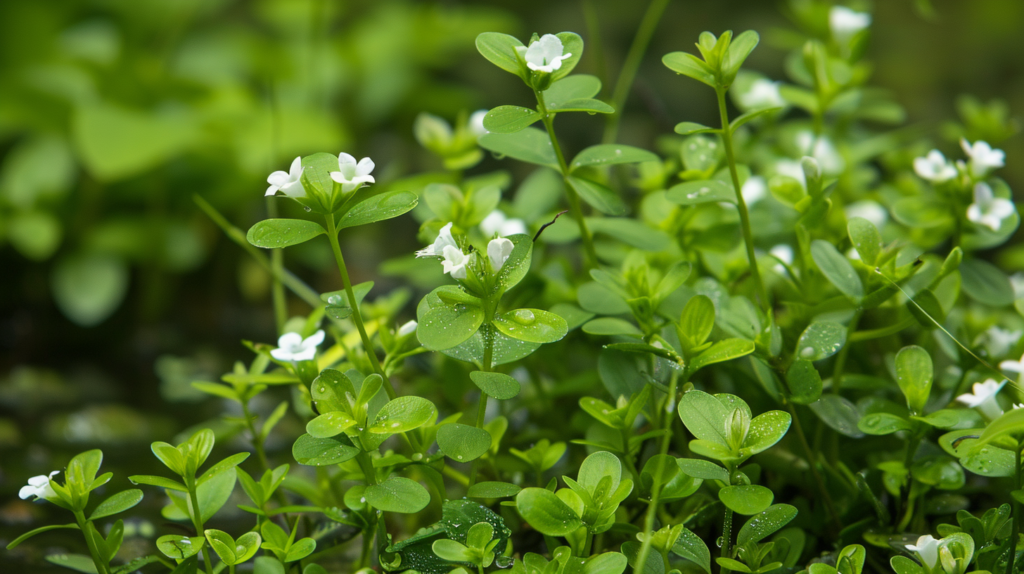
(771, 345)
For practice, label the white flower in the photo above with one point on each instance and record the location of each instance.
(290, 183)
(761, 94)
(983, 398)
(1000, 341)
(498, 251)
(455, 262)
(292, 347)
(983, 157)
(868, 209)
(38, 486)
(934, 167)
(545, 55)
(927, 549)
(844, 22)
(987, 209)
(791, 168)
(351, 174)
(407, 328)
(498, 222)
(444, 239)
(822, 150)
(754, 189)
(476, 123)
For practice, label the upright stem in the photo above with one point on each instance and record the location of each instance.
(570, 191)
(726, 537)
(357, 316)
(277, 288)
(481, 411)
(1015, 517)
(101, 565)
(197, 521)
(812, 463)
(748, 235)
(652, 508)
(624, 82)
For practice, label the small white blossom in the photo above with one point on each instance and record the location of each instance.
(844, 22)
(822, 150)
(476, 123)
(455, 262)
(38, 486)
(498, 251)
(987, 209)
(351, 174)
(868, 209)
(498, 222)
(754, 189)
(292, 347)
(545, 55)
(444, 239)
(983, 398)
(983, 157)
(1000, 341)
(407, 328)
(761, 94)
(934, 167)
(927, 549)
(1012, 366)
(289, 182)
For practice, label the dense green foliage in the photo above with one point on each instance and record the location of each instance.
(772, 343)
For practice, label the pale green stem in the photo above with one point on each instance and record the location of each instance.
(101, 565)
(652, 509)
(197, 519)
(1015, 517)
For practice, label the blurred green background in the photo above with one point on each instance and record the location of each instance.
(116, 291)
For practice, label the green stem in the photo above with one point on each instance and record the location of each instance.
(812, 463)
(881, 331)
(481, 411)
(90, 542)
(726, 538)
(1015, 517)
(837, 371)
(588, 545)
(652, 509)
(629, 68)
(277, 288)
(231, 569)
(570, 191)
(357, 316)
(748, 235)
(197, 520)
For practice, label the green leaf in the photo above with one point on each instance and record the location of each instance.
(580, 86)
(914, 374)
(597, 467)
(545, 512)
(589, 105)
(866, 239)
(311, 451)
(721, 351)
(402, 415)
(510, 119)
(750, 116)
(497, 385)
(379, 208)
(40, 530)
(703, 469)
(246, 546)
(278, 233)
(463, 442)
(985, 283)
(531, 325)
(821, 340)
(572, 43)
(117, 503)
(765, 524)
(180, 547)
(904, 565)
(691, 547)
(301, 549)
(804, 382)
(837, 269)
(452, 551)
(704, 416)
(1010, 423)
(696, 321)
(223, 544)
(492, 490)
(765, 430)
(839, 414)
(530, 145)
(737, 52)
(398, 494)
(446, 325)
(611, 326)
(76, 562)
(746, 499)
(689, 65)
(500, 50)
(987, 461)
(610, 154)
(222, 466)
(518, 263)
(598, 196)
(631, 232)
(690, 128)
(701, 191)
(157, 481)
(883, 424)
(330, 424)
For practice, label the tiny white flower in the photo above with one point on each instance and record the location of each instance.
(987, 209)
(754, 189)
(455, 261)
(1000, 341)
(498, 251)
(927, 549)
(545, 55)
(844, 22)
(407, 328)
(983, 157)
(868, 209)
(289, 182)
(761, 94)
(983, 398)
(351, 174)
(38, 486)
(292, 347)
(934, 167)
(822, 150)
(476, 123)
(444, 239)
(498, 222)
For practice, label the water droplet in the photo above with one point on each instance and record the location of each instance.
(523, 316)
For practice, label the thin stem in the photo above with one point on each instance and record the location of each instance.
(837, 371)
(481, 411)
(588, 545)
(726, 538)
(570, 191)
(748, 235)
(277, 288)
(197, 520)
(1015, 517)
(357, 316)
(652, 509)
(101, 565)
(812, 463)
(629, 68)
